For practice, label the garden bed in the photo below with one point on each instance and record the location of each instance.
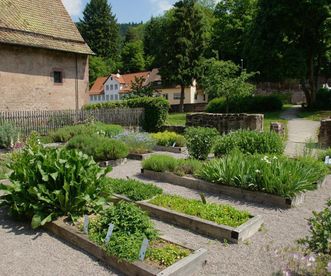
(138, 156)
(185, 266)
(201, 185)
(169, 149)
(198, 225)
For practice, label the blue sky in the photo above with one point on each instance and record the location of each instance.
(125, 10)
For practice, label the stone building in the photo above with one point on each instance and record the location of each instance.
(43, 57)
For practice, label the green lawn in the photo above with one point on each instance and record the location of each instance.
(176, 119)
(314, 115)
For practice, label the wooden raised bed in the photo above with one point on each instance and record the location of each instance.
(235, 192)
(113, 163)
(185, 266)
(138, 156)
(201, 226)
(169, 149)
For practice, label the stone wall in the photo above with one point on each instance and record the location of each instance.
(324, 136)
(225, 123)
(27, 81)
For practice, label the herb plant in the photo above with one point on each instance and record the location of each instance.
(138, 143)
(169, 139)
(48, 183)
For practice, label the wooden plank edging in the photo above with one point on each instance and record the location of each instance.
(169, 149)
(183, 267)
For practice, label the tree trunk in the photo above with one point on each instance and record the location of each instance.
(182, 97)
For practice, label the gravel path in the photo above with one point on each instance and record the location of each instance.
(300, 131)
(256, 256)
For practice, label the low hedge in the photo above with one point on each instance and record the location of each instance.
(156, 110)
(64, 134)
(246, 104)
(169, 139)
(99, 147)
(250, 142)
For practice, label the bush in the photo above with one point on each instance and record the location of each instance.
(246, 104)
(221, 214)
(320, 230)
(137, 142)
(134, 189)
(323, 100)
(131, 226)
(48, 183)
(99, 147)
(250, 142)
(200, 141)
(277, 175)
(8, 135)
(166, 163)
(64, 134)
(323, 154)
(169, 139)
(156, 110)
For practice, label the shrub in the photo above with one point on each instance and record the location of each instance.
(246, 104)
(134, 189)
(169, 139)
(221, 214)
(48, 183)
(99, 147)
(323, 154)
(277, 175)
(250, 142)
(8, 135)
(323, 100)
(156, 110)
(137, 142)
(320, 231)
(200, 141)
(66, 133)
(131, 226)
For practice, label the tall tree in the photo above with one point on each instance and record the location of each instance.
(233, 19)
(100, 30)
(184, 46)
(133, 56)
(291, 39)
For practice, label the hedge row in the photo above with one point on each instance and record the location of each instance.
(156, 110)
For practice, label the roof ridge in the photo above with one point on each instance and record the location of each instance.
(41, 35)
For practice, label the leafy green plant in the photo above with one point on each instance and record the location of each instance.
(160, 163)
(8, 135)
(131, 226)
(166, 254)
(134, 189)
(156, 110)
(4, 160)
(99, 147)
(66, 133)
(250, 142)
(139, 143)
(320, 231)
(47, 183)
(169, 139)
(277, 175)
(221, 214)
(200, 141)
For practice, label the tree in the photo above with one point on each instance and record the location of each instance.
(185, 43)
(98, 67)
(133, 56)
(100, 30)
(291, 39)
(224, 79)
(233, 19)
(140, 89)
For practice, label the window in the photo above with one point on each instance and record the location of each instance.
(116, 97)
(99, 98)
(107, 97)
(111, 97)
(196, 96)
(91, 98)
(166, 96)
(116, 87)
(58, 76)
(204, 97)
(111, 87)
(107, 87)
(103, 97)
(95, 98)
(177, 96)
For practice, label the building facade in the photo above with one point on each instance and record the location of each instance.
(43, 59)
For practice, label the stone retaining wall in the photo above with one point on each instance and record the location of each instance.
(324, 137)
(225, 123)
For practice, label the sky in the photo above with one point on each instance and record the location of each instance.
(125, 10)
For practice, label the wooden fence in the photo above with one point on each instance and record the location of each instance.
(45, 121)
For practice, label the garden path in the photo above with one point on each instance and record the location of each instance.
(300, 131)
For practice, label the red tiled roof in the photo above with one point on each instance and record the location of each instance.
(97, 87)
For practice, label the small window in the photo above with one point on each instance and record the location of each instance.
(99, 98)
(111, 87)
(116, 87)
(116, 97)
(107, 87)
(196, 96)
(95, 98)
(107, 97)
(58, 76)
(177, 96)
(91, 98)
(204, 97)
(111, 97)
(103, 97)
